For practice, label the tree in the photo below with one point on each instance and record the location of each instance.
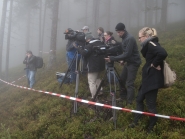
(163, 20)
(53, 41)
(3, 21)
(9, 37)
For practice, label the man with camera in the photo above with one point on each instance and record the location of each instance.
(131, 61)
(30, 61)
(95, 63)
(70, 35)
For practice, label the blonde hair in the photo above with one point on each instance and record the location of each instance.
(148, 32)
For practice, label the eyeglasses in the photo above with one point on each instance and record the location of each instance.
(140, 37)
(105, 35)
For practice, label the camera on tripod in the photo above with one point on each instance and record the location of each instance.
(77, 36)
(108, 50)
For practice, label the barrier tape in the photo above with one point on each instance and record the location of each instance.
(18, 79)
(97, 104)
(46, 52)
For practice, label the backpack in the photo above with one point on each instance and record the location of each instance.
(60, 78)
(169, 75)
(39, 62)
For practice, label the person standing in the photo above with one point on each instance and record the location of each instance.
(152, 74)
(100, 32)
(131, 61)
(95, 63)
(30, 61)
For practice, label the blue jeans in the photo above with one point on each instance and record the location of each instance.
(73, 67)
(31, 77)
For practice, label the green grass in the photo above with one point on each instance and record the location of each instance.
(31, 115)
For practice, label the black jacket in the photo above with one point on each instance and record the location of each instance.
(95, 63)
(30, 63)
(130, 51)
(153, 54)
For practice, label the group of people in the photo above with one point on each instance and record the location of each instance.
(152, 71)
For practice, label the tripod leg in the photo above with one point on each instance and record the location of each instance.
(76, 92)
(99, 87)
(69, 69)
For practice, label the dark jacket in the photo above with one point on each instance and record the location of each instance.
(153, 54)
(95, 63)
(71, 40)
(130, 51)
(109, 42)
(30, 63)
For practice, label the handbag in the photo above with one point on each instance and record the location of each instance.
(169, 75)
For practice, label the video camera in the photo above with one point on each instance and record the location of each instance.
(74, 35)
(108, 50)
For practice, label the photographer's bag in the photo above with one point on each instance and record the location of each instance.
(39, 62)
(60, 78)
(169, 75)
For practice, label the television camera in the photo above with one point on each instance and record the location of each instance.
(108, 50)
(77, 36)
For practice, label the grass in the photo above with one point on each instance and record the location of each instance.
(31, 115)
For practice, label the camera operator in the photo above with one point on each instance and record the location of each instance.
(95, 63)
(131, 60)
(70, 35)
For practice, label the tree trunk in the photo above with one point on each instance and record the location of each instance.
(3, 20)
(8, 40)
(146, 12)
(40, 28)
(28, 30)
(164, 10)
(96, 14)
(43, 28)
(108, 14)
(53, 42)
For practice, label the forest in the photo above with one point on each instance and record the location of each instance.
(39, 25)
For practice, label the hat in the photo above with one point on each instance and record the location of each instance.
(85, 27)
(88, 36)
(29, 52)
(120, 27)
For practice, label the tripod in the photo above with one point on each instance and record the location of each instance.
(75, 59)
(110, 70)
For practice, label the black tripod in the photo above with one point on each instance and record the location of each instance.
(113, 76)
(75, 59)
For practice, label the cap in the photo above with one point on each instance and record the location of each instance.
(88, 36)
(85, 27)
(120, 27)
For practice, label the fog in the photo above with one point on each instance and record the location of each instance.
(38, 25)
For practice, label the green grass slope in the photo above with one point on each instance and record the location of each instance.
(27, 114)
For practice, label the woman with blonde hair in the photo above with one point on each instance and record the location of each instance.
(152, 75)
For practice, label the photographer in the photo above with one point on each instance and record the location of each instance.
(131, 60)
(70, 35)
(95, 63)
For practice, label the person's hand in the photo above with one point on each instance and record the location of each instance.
(107, 59)
(158, 67)
(113, 42)
(75, 45)
(121, 62)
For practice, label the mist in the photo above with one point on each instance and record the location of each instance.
(38, 25)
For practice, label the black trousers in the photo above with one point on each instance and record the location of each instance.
(151, 98)
(128, 77)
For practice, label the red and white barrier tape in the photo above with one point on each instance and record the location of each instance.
(46, 52)
(18, 79)
(98, 104)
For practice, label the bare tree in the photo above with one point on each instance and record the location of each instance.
(3, 21)
(53, 41)
(9, 37)
(163, 20)
(96, 13)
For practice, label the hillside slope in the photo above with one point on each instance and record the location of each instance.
(27, 114)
